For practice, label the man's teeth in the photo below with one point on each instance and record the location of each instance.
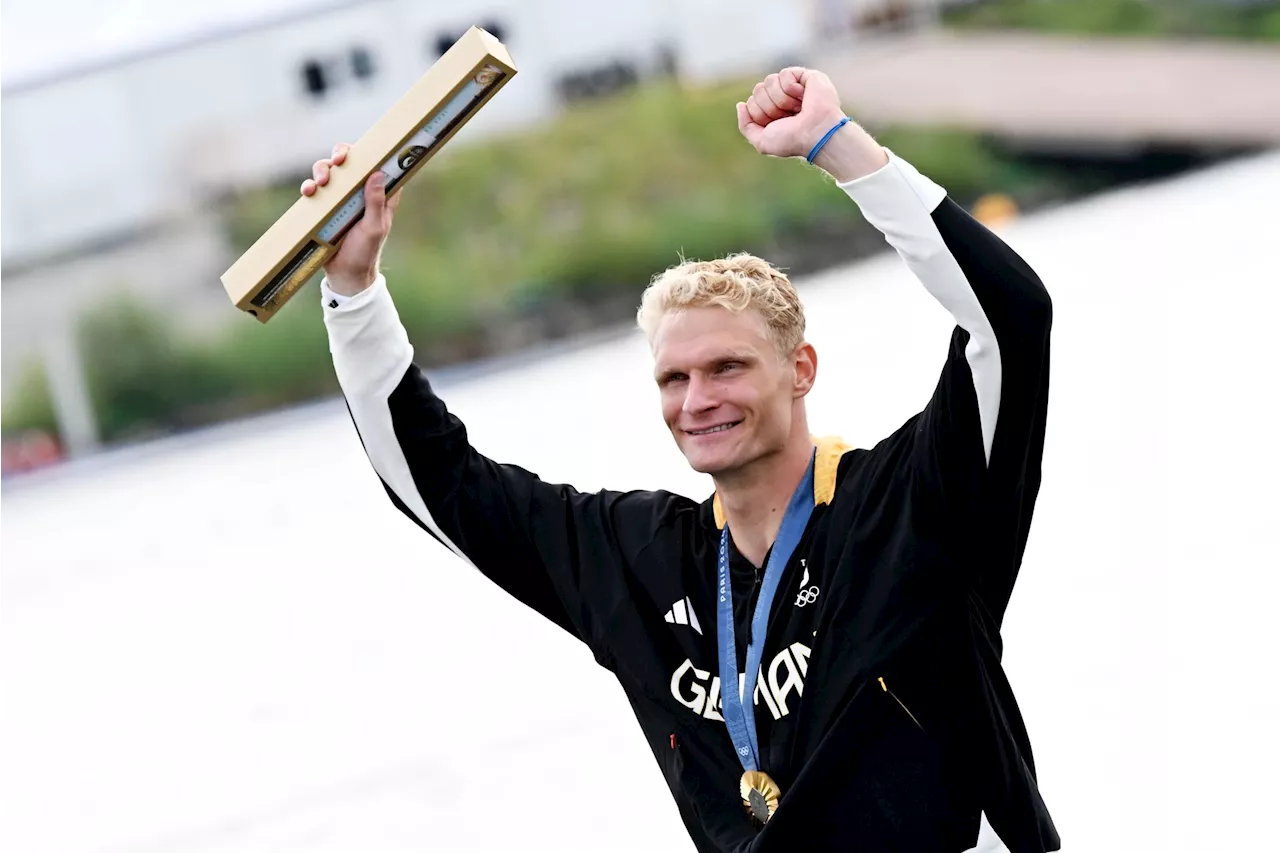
(720, 428)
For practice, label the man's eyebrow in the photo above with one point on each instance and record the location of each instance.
(722, 358)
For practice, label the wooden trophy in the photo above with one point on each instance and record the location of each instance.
(452, 90)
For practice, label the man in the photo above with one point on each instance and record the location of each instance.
(858, 593)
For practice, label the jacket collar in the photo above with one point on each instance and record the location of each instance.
(826, 464)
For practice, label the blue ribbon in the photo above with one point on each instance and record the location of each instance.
(737, 709)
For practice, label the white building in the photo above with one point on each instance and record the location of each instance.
(98, 151)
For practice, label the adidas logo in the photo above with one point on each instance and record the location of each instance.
(681, 613)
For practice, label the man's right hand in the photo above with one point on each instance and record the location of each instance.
(355, 265)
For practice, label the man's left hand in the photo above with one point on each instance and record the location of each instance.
(789, 112)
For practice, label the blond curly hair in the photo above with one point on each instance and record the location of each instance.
(736, 282)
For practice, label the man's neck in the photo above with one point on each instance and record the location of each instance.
(755, 501)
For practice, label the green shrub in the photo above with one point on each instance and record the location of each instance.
(141, 376)
(281, 362)
(1268, 24)
(1176, 18)
(30, 406)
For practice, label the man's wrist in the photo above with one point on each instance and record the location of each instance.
(336, 301)
(350, 285)
(850, 153)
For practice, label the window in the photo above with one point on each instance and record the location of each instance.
(444, 41)
(600, 81)
(361, 63)
(313, 78)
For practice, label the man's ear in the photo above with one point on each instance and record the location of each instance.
(805, 360)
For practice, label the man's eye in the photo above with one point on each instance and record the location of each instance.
(729, 365)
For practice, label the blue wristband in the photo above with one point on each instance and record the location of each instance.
(823, 140)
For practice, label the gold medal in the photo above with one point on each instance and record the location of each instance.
(759, 794)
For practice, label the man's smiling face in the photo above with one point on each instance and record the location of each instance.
(728, 395)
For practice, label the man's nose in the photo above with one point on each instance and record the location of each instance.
(699, 397)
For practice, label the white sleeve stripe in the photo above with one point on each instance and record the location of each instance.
(371, 353)
(899, 202)
(373, 420)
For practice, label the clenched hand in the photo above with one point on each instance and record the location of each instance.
(789, 112)
(355, 265)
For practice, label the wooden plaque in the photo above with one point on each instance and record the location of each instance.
(417, 126)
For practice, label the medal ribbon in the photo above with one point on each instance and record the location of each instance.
(738, 708)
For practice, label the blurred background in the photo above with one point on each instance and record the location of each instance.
(189, 659)
(148, 144)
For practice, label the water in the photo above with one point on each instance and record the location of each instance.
(232, 642)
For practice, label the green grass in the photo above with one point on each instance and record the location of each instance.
(1162, 18)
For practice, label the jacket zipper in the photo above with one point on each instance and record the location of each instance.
(886, 689)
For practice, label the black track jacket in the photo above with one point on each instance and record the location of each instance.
(882, 709)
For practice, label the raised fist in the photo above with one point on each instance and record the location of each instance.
(789, 112)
